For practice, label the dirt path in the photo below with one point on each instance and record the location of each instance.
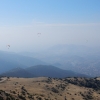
(3, 79)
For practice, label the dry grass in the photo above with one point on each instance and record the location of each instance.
(46, 89)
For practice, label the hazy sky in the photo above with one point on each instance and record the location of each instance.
(58, 21)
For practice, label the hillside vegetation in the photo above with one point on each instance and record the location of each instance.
(46, 88)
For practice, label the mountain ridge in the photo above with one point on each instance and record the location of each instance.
(9, 60)
(42, 71)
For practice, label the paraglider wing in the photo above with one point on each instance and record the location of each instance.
(38, 34)
(8, 46)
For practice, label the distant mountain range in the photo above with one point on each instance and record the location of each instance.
(10, 60)
(78, 58)
(16, 65)
(41, 71)
(18, 72)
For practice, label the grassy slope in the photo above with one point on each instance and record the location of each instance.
(46, 89)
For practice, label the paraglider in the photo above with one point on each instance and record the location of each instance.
(38, 34)
(86, 41)
(8, 46)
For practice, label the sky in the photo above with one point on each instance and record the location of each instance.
(59, 22)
